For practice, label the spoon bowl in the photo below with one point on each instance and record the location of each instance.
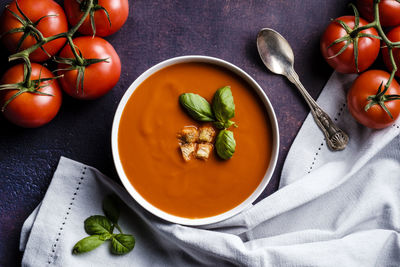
(277, 54)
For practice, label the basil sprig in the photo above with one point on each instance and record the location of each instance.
(225, 144)
(224, 125)
(122, 244)
(109, 204)
(196, 106)
(220, 113)
(223, 105)
(97, 225)
(87, 244)
(101, 228)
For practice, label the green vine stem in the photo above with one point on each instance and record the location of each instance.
(390, 45)
(380, 98)
(352, 36)
(68, 35)
(73, 49)
(28, 85)
(27, 73)
(33, 87)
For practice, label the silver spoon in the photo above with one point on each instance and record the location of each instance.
(277, 55)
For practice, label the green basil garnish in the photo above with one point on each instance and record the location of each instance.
(110, 207)
(121, 244)
(196, 106)
(224, 125)
(223, 109)
(97, 225)
(87, 244)
(106, 236)
(225, 144)
(223, 105)
(101, 228)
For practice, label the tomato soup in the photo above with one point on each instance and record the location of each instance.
(149, 148)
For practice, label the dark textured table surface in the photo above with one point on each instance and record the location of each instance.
(155, 31)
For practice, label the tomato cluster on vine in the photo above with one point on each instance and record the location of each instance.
(351, 44)
(36, 31)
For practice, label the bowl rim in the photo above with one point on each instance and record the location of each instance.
(274, 153)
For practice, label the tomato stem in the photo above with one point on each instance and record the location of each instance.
(73, 30)
(388, 43)
(73, 49)
(361, 28)
(353, 35)
(27, 73)
(21, 87)
(27, 85)
(36, 31)
(43, 40)
(392, 61)
(20, 92)
(380, 98)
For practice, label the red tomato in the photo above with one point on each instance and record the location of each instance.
(389, 11)
(118, 11)
(368, 48)
(99, 78)
(48, 26)
(366, 85)
(30, 109)
(394, 36)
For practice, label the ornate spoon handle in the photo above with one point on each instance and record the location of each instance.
(336, 139)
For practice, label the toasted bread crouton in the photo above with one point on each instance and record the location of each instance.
(204, 150)
(206, 134)
(187, 150)
(189, 134)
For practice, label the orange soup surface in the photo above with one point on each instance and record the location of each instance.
(149, 148)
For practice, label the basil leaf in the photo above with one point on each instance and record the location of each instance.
(223, 105)
(224, 125)
(111, 207)
(196, 106)
(98, 225)
(105, 236)
(87, 244)
(122, 244)
(225, 144)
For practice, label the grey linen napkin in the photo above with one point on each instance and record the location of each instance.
(332, 209)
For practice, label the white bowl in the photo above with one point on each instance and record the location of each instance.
(275, 141)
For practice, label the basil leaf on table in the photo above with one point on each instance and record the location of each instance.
(101, 228)
(122, 244)
(196, 106)
(111, 207)
(106, 236)
(87, 244)
(225, 144)
(98, 225)
(223, 105)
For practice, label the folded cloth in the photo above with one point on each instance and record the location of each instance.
(332, 209)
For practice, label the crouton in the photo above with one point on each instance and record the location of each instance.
(187, 150)
(206, 134)
(203, 151)
(189, 134)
